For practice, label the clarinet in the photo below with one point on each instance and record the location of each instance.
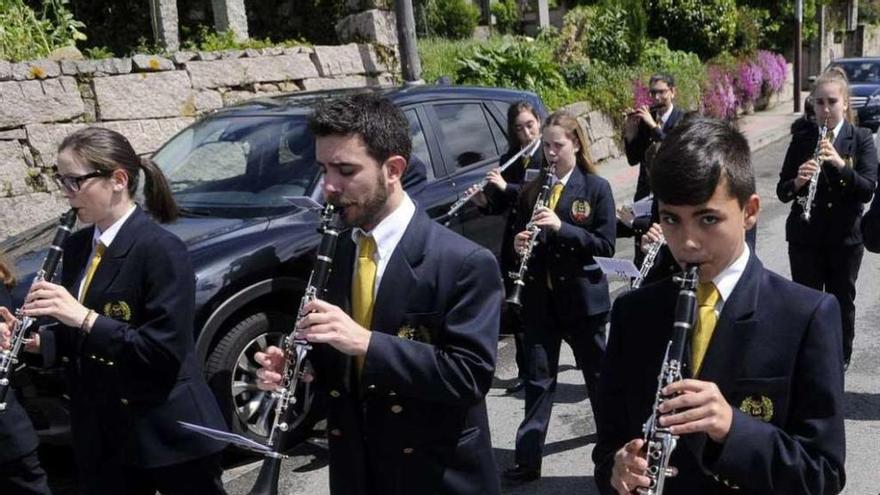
(648, 262)
(20, 330)
(806, 202)
(296, 348)
(659, 441)
(518, 277)
(467, 196)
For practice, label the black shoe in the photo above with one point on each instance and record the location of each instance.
(518, 385)
(521, 474)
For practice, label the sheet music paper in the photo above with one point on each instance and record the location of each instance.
(614, 267)
(642, 207)
(226, 437)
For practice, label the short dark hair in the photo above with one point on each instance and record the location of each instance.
(662, 77)
(692, 158)
(378, 121)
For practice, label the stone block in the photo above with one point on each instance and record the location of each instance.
(600, 125)
(375, 63)
(5, 70)
(321, 83)
(374, 25)
(151, 63)
(181, 58)
(145, 136)
(208, 56)
(13, 134)
(30, 210)
(110, 66)
(29, 102)
(144, 95)
(228, 54)
(13, 169)
(35, 69)
(208, 100)
(68, 67)
(244, 71)
(340, 60)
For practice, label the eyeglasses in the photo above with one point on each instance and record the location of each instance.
(658, 92)
(73, 183)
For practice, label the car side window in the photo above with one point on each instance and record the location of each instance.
(467, 136)
(419, 144)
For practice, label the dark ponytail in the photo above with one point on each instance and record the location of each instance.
(157, 193)
(107, 150)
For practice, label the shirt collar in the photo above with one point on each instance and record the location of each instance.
(564, 179)
(389, 231)
(665, 117)
(726, 281)
(108, 235)
(837, 129)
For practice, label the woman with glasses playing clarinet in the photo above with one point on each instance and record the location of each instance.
(125, 329)
(565, 296)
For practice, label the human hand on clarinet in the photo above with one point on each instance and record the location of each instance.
(54, 301)
(477, 196)
(494, 177)
(272, 362)
(7, 325)
(828, 153)
(654, 234)
(805, 173)
(546, 219)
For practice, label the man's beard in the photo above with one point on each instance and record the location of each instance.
(371, 206)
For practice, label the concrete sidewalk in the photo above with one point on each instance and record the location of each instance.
(761, 129)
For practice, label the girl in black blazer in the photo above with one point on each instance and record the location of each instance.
(826, 251)
(565, 296)
(125, 332)
(20, 470)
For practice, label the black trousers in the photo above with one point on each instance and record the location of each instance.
(197, 477)
(543, 343)
(23, 476)
(833, 269)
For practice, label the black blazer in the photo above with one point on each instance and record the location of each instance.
(420, 424)
(775, 355)
(836, 213)
(636, 149)
(135, 374)
(501, 201)
(17, 436)
(586, 209)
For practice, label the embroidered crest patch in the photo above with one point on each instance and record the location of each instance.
(760, 407)
(580, 211)
(118, 310)
(419, 334)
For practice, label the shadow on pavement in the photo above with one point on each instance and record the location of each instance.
(861, 406)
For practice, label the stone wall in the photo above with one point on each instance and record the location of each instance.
(148, 99)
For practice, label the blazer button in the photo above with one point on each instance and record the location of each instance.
(334, 393)
(397, 409)
(124, 401)
(829, 204)
(562, 278)
(336, 432)
(391, 393)
(65, 359)
(408, 450)
(93, 356)
(371, 387)
(110, 363)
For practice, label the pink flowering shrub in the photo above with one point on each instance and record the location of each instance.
(748, 82)
(774, 70)
(719, 99)
(641, 94)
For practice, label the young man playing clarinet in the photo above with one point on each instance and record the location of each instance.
(759, 410)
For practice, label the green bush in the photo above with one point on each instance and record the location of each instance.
(455, 19)
(571, 43)
(608, 36)
(685, 67)
(523, 65)
(779, 29)
(506, 16)
(752, 27)
(706, 27)
(26, 34)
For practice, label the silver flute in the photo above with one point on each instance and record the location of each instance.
(659, 441)
(21, 330)
(295, 349)
(806, 202)
(518, 277)
(468, 195)
(648, 262)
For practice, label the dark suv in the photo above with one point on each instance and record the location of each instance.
(240, 175)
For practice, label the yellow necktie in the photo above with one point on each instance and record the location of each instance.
(362, 289)
(707, 298)
(526, 159)
(830, 137)
(93, 267)
(555, 194)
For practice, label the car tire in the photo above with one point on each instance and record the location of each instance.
(231, 373)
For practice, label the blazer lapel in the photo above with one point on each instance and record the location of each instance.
(399, 278)
(114, 257)
(571, 191)
(339, 284)
(845, 142)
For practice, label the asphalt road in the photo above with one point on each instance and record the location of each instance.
(567, 464)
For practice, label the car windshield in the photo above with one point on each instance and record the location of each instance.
(240, 166)
(861, 71)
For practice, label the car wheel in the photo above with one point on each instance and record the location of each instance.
(231, 371)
